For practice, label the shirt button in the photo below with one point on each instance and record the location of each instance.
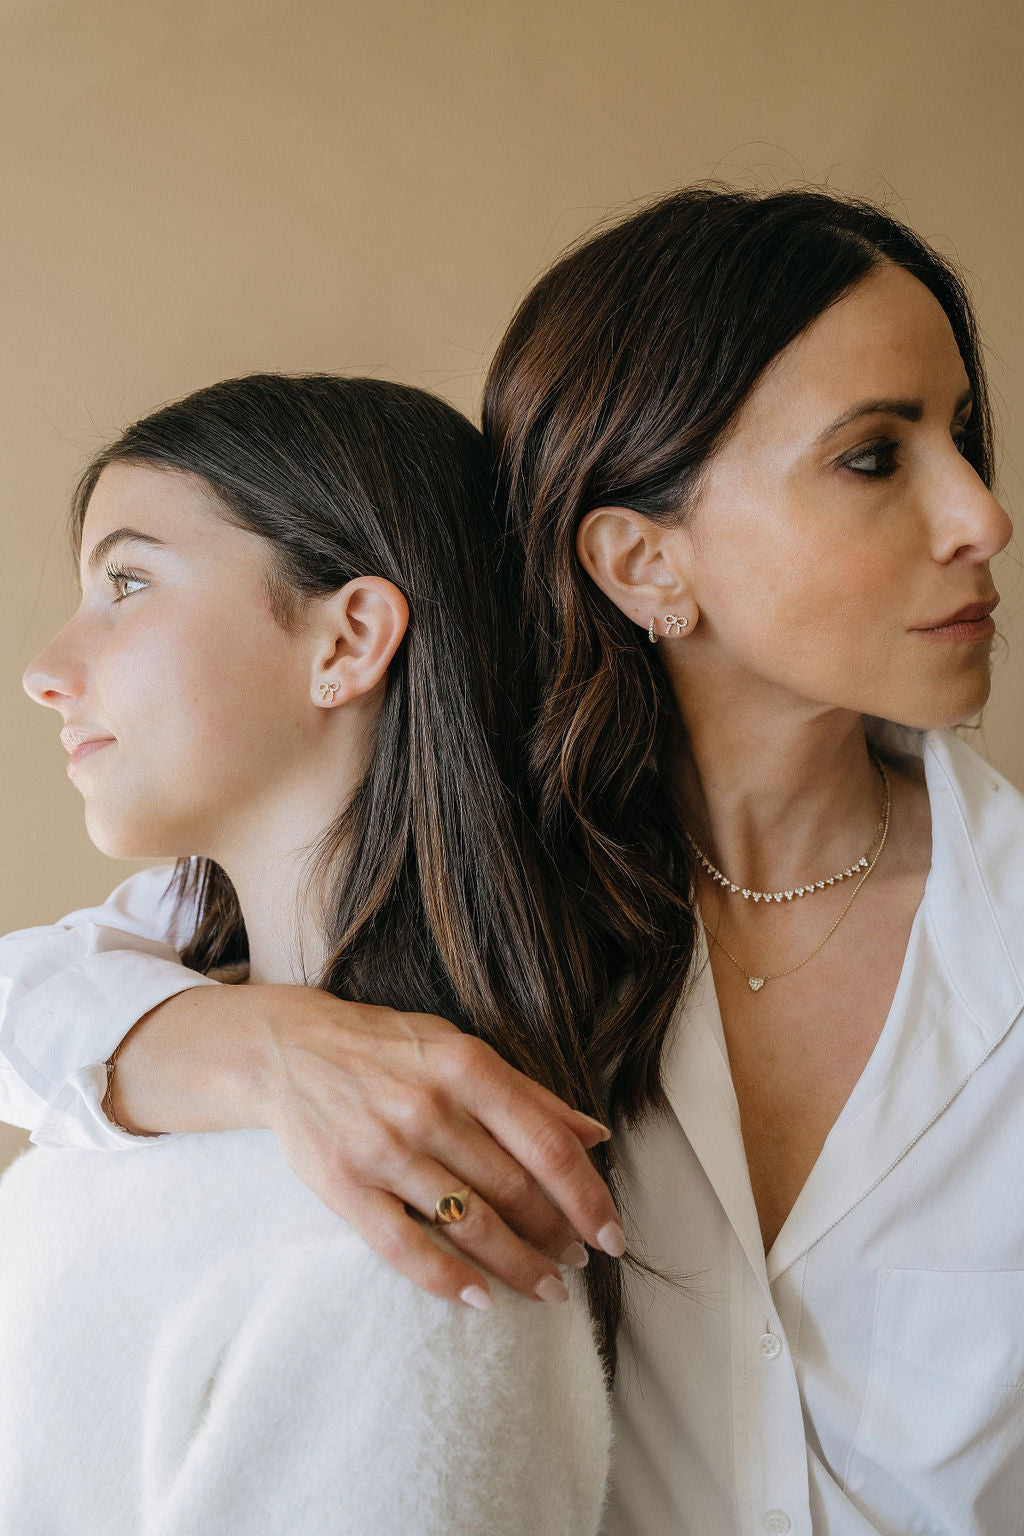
(777, 1522)
(770, 1346)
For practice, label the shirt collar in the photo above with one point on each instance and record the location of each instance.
(960, 992)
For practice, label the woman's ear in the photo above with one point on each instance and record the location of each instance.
(642, 566)
(357, 631)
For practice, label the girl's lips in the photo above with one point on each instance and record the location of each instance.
(85, 748)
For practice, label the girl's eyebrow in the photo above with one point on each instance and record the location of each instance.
(110, 541)
(909, 410)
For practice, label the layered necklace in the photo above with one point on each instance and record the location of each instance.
(862, 869)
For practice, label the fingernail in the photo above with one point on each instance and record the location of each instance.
(612, 1239)
(551, 1289)
(575, 1256)
(597, 1124)
(476, 1296)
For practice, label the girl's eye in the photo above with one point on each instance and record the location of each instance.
(876, 462)
(125, 583)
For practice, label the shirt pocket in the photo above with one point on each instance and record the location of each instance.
(940, 1445)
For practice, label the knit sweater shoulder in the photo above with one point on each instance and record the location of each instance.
(192, 1343)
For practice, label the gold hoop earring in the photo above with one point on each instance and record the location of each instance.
(652, 637)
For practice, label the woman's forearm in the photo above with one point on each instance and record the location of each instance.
(381, 1113)
(196, 1062)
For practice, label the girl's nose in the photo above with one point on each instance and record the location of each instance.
(50, 680)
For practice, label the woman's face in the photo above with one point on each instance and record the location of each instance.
(839, 531)
(186, 706)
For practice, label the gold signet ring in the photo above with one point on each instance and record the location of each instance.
(452, 1207)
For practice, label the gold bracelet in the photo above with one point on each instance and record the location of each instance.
(107, 1101)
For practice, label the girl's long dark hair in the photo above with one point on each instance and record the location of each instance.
(435, 897)
(615, 383)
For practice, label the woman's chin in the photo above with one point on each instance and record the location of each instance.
(957, 705)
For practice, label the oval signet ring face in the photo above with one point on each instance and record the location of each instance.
(452, 1207)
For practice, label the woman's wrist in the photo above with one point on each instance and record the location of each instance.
(200, 1061)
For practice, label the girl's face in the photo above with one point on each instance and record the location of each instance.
(186, 706)
(839, 547)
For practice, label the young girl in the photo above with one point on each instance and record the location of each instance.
(745, 443)
(291, 670)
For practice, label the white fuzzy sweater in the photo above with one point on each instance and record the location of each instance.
(191, 1345)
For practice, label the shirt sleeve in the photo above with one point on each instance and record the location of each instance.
(348, 1402)
(70, 993)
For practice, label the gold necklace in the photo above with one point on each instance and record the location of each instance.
(755, 983)
(809, 889)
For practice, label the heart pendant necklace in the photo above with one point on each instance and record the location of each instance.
(755, 983)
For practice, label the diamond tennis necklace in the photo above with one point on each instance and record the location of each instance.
(755, 983)
(798, 890)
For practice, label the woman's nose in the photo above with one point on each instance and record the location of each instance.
(974, 524)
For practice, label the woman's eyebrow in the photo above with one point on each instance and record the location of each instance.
(908, 410)
(110, 541)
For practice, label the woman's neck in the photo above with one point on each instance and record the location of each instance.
(777, 798)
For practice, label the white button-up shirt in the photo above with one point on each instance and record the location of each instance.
(867, 1376)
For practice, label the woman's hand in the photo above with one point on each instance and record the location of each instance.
(378, 1111)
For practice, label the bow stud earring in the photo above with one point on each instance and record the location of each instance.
(328, 690)
(675, 626)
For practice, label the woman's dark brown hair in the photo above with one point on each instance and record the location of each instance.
(432, 890)
(615, 383)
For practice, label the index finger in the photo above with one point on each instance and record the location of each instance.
(537, 1128)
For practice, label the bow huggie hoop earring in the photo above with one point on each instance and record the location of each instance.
(675, 626)
(652, 637)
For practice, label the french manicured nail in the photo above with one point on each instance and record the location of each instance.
(476, 1296)
(597, 1124)
(575, 1256)
(551, 1289)
(612, 1239)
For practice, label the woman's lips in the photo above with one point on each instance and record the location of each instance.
(963, 629)
(972, 623)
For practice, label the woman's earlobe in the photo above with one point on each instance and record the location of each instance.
(637, 565)
(674, 625)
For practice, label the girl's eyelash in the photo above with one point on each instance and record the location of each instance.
(116, 574)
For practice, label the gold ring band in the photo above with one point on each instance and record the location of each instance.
(452, 1207)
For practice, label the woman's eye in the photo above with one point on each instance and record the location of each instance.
(875, 462)
(960, 440)
(125, 583)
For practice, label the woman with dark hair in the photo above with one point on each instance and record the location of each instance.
(744, 441)
(292, 670)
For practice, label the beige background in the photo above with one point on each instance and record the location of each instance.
(191, 190)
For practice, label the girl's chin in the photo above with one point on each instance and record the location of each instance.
(126, 841)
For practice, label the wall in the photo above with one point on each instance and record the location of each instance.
(192, 190)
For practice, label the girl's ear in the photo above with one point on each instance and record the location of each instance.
(357, 631)
(641, 566)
